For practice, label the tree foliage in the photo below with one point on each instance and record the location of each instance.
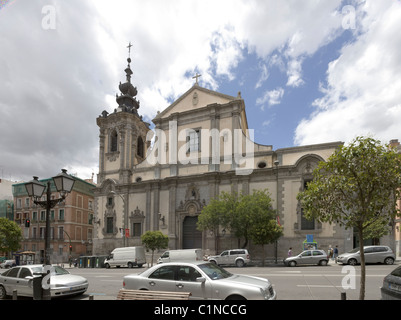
(357, 187)
(10, 235)
(249, 217)
(154, 240)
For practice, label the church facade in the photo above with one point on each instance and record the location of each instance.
(201, 145)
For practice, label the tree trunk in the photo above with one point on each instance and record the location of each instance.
(263, 255)
(363, 267)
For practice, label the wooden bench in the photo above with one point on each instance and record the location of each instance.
(126, 294)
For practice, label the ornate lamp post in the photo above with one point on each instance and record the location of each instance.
(64, 184)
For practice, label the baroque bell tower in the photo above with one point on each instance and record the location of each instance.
(122, 138)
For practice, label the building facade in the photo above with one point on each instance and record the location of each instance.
(71, 222)
(201, 145)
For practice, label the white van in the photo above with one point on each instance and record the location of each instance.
(127, 256)
(181, 255)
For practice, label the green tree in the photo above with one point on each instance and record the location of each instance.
(154, 240)
(10, 235)
(261, 219)
(246, 216)
(357, 187)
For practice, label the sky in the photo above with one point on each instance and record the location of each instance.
(309, 71)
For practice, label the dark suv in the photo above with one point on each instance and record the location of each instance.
(237, 257)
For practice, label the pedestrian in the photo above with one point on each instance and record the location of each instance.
(290, 252)
(335, 253)
(330, 253)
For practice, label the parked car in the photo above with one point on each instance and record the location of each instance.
(373, 254)
(205, 280)
(7, 264)
(391, 289)
(181, 255)
(237, 257)
(318, 257)
(20, 278)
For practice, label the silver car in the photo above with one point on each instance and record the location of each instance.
(318, 257)
(391, 289)
(237, 257)
(8, 264)
(20, 278)
(204, 280)
(373, 254)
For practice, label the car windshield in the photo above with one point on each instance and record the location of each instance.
(55, 270)
(214, 272)
(355, 250)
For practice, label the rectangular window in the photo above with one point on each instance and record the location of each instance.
(109, 225)
(61, 214)
(137, 230)
(193, 140)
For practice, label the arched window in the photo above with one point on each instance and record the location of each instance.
(140, 147)
(113, 141)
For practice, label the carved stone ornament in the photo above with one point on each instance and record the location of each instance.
(195, 99)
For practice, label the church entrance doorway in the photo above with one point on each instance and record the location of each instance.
(192, 237)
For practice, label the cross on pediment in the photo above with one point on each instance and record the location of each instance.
(196, 77)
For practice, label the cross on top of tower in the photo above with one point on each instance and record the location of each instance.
(129, 49)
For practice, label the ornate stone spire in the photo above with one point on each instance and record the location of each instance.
(126, 100)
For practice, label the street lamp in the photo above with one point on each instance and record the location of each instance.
(35, 189)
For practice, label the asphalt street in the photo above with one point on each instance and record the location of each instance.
(298, 283)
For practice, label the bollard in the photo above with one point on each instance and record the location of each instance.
(91, 297)
(343, 296)
(15, 297)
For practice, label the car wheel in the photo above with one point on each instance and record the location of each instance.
(213, 261)
(130, 265)
(352, 262)
(107, 266)
(239, 263)
(323, 263)
(235, 297)
(292, 264)
(3, 293)
(389, 261)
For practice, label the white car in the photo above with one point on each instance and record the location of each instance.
(205, 280)
(62, 283)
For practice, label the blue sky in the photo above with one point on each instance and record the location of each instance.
(310, 71)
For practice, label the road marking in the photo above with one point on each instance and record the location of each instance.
(317, 286)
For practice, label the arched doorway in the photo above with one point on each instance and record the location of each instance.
(192, 237)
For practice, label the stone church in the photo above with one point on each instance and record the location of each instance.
(161, 178)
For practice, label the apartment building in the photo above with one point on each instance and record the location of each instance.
(71, 222)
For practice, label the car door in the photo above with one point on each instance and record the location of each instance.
(10, 280)
(186, 282)
(224, 257)
(24, 284)
(305, 257)
(317, 256)
(369, 255)
(162, 279)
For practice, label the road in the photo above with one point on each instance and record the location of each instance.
(299, 283)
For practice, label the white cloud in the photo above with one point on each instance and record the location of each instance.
(363, 91)
(263, 76)
(272, 97)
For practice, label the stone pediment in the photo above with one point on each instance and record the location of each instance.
(194, 98)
